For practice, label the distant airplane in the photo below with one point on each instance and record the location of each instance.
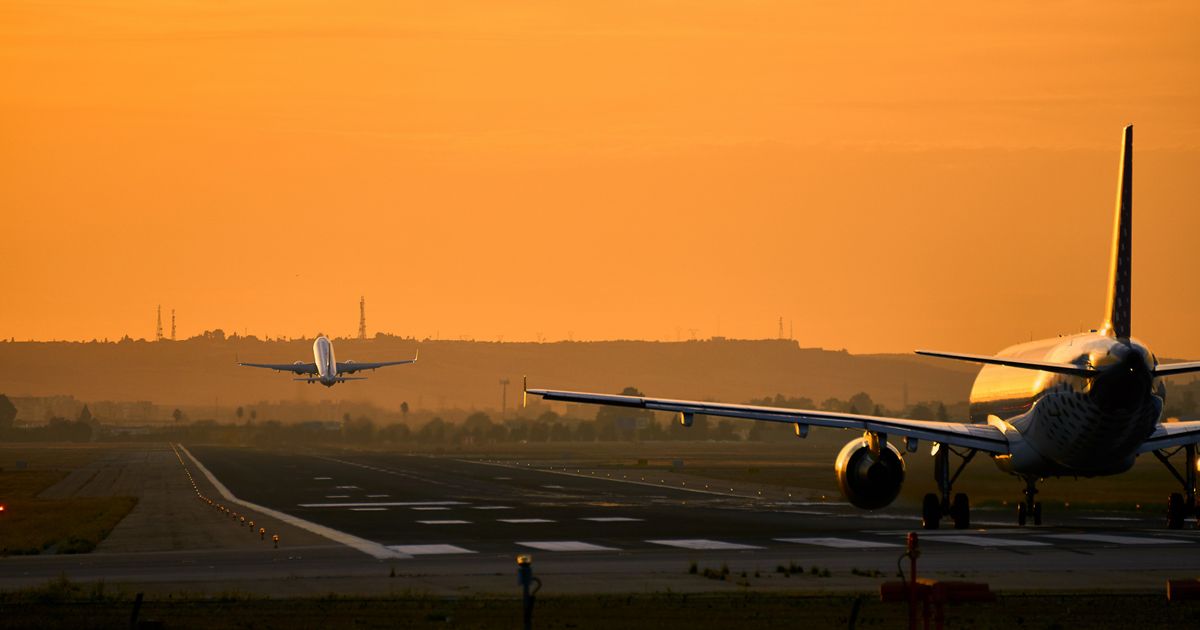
(1081, 405)
(325, 368)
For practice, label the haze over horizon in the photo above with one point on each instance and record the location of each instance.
(883, 177)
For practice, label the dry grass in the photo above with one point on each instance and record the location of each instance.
(72, 525)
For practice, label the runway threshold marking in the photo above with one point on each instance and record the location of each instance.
(565, 545)
(839, 543)
(379, 504)
(429, 550)
(368, 547)
(1118, 540)
(702, 543)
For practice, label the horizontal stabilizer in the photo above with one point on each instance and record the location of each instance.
(1044, 366)
(1172, 369)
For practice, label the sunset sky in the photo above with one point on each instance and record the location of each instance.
(882, 175)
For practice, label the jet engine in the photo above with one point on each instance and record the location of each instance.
(867, 480)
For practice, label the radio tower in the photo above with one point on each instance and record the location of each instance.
(362, 317)
(172, 324)
(158, 336)
(780, 328)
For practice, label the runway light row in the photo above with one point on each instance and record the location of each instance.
(241, 520)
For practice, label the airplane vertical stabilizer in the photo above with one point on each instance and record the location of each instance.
(1116, 322)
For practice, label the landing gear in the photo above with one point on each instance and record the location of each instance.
(1029, 508)
(934, 507)
(1181, 505)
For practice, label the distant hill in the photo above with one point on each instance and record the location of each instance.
(466, 374)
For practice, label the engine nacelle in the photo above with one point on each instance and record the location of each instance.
(869, 481)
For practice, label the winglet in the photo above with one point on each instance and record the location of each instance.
(417, 355)
(524, 391)
(1120, 275)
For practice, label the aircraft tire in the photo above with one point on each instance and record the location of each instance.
(960, 511)
(931, 511)
(1175, 511)
(1022, 514)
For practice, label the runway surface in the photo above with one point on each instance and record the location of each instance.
(439, 506)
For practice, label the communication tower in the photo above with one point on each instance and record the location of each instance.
(172, 324)
(362, 317)
(158, 336)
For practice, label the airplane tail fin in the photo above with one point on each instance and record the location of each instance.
(1120, 275)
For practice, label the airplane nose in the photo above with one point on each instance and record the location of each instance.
(1124, 384)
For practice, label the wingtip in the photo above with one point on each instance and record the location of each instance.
(524, 391)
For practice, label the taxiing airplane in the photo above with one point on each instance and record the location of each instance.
(1082, 405)
(325, 368)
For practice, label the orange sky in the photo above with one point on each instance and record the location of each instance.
(938, 175)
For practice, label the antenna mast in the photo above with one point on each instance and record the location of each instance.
(172, 324)
(158, 336)
(362, 317)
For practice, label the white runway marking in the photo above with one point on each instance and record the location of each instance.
(1117, 540)
(346, 487)
(807, 512)
(373, 509)
(554, 487)
(702, 543)
(430, 508)
(428, 550)
(322, 478)
(565, 545)
(988, 541)
(610, 519)
(840, 543)
(376, 504)
(446, 522)
(502, 478)
(1111, 518)
(491, 507)
(522, 521)
(378, 496)
(337, 496)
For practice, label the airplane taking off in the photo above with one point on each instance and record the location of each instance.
(325, 368)
(1082, 405)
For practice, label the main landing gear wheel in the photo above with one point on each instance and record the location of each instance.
(1022, 514)
(1175, 511)
(960, 511)
(1029, 508)
(1037, 512)
(931, 511)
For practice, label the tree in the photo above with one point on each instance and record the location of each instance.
(240, 412)
(942, 415)
(8, 413)
(621, 423)
(85, 414)
(177, 415)
(404, 410)
(253, 414)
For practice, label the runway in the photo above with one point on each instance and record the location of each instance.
(442, 506)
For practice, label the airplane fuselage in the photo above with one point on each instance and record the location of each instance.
(1072, 425)
(325, 360)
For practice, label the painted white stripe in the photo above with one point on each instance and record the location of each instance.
(337, 496)
(373, 549)
(988, 541)
(346, 487)
(428, 550)
(445, 522)
(553, 487)
(368, 509)
(492, 507)
(314, 478)
(430, 508)
(378, 504)
(565, 545)
(1112, 518)
(522, 521)
(840, 543)
(610, 519)
(378, 496)
(1118, 540)
(701, 543)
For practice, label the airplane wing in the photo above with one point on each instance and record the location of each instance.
(350, 367)
(1170, 434)
(976, 436)
(295, 368)
(1170, 369)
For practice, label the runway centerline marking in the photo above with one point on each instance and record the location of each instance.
(988, 541)
(523, 521)
(839, 543)
(565, 545)
(429, 550)
(378, 496)
(429, 508)
(322, 478)
(1118, 540)
(445, 522)
(702, 543)
(610, 519)
(337, 496)
(370, 509)
(379, 504)
(491, 507)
